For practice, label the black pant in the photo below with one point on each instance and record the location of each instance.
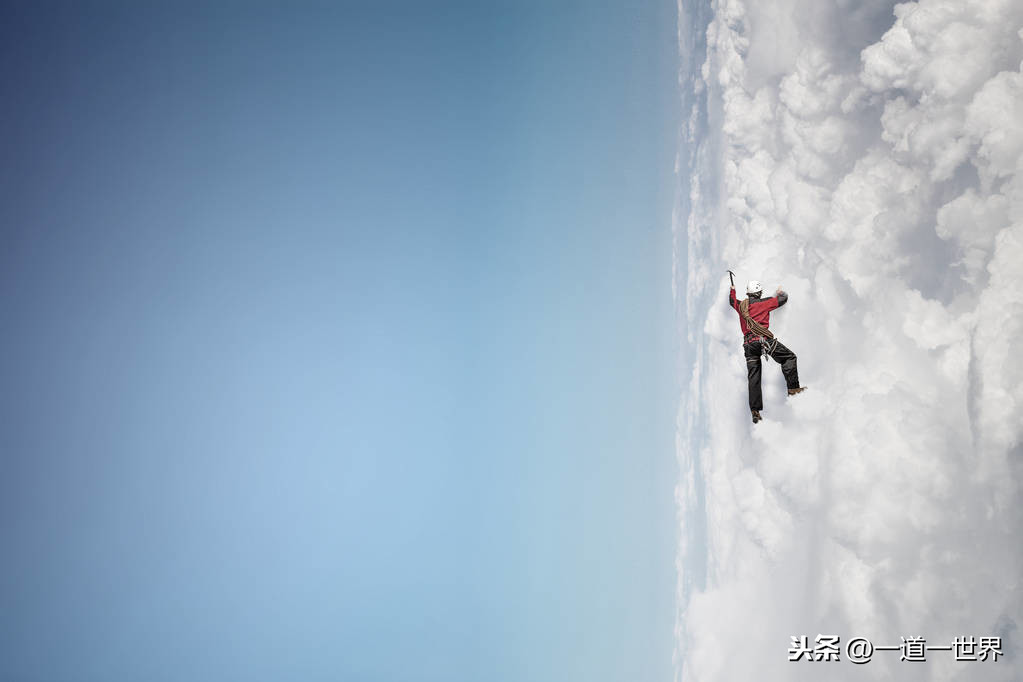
(781, 354)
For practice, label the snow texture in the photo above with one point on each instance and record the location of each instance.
(868, 157)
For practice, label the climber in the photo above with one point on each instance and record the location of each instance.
(754, 319)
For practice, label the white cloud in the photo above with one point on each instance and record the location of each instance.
(869, 158)
(993, 121)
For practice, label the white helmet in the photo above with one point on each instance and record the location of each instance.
(754, 287)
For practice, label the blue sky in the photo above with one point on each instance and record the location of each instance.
(337, 342)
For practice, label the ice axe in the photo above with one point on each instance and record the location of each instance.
(731, 276)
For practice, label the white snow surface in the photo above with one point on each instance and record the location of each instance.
(868, 157)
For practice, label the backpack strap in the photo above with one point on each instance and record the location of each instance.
(752, 324)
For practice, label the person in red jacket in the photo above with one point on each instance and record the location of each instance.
(754, 320)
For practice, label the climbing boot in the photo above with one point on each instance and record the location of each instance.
(756, 416)
(793, 391)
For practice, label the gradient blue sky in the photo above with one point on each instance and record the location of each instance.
(337, 341)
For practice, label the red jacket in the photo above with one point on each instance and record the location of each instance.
(760, 310)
